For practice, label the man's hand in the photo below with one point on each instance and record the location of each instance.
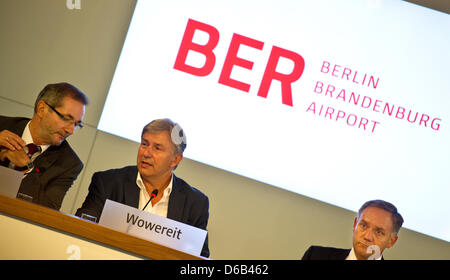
(11, 141)
(18, 157)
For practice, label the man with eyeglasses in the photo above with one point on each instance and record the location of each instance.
(38, 147)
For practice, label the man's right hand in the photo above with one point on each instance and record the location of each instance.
(18, 157)
(11, 141)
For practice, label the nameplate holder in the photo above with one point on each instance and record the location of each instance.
(152, 227)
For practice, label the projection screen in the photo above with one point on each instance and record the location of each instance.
(340, 101)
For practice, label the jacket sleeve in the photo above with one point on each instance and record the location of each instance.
(95, 200)
(49, 187)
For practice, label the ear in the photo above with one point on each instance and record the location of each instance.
(40, 108)
(392, 241)
(355, 222)
(176, 160)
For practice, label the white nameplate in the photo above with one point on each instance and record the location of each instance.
(152, 227)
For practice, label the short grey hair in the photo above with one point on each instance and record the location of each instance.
(53, 94)
(397, 219)
(175, 131)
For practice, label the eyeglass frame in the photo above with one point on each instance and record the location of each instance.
(78, 124)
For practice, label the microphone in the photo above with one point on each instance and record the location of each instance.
(152, 195)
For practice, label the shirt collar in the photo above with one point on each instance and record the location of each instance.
(26, 136)
(352, 257)
(141, 185)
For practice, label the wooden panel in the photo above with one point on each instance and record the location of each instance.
(88, 230)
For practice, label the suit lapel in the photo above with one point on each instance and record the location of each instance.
(131, 190)
(342, 255)
(46, 159)
(177, 200)
(20, 127)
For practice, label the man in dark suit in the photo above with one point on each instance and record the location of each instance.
(325, 253)
(375, 228)
(54, 166)
(161, 150)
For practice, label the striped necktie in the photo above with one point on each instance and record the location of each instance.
(32, 150)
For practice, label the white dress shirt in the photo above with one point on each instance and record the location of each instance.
(26, 136)
(159, 208)
(352, 256)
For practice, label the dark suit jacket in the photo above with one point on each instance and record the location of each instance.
(325, 253)
(186, 204)
(55, 169)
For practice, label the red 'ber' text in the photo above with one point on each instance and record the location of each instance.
(231, 60)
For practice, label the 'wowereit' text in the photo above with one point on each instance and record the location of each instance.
(170, 232)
